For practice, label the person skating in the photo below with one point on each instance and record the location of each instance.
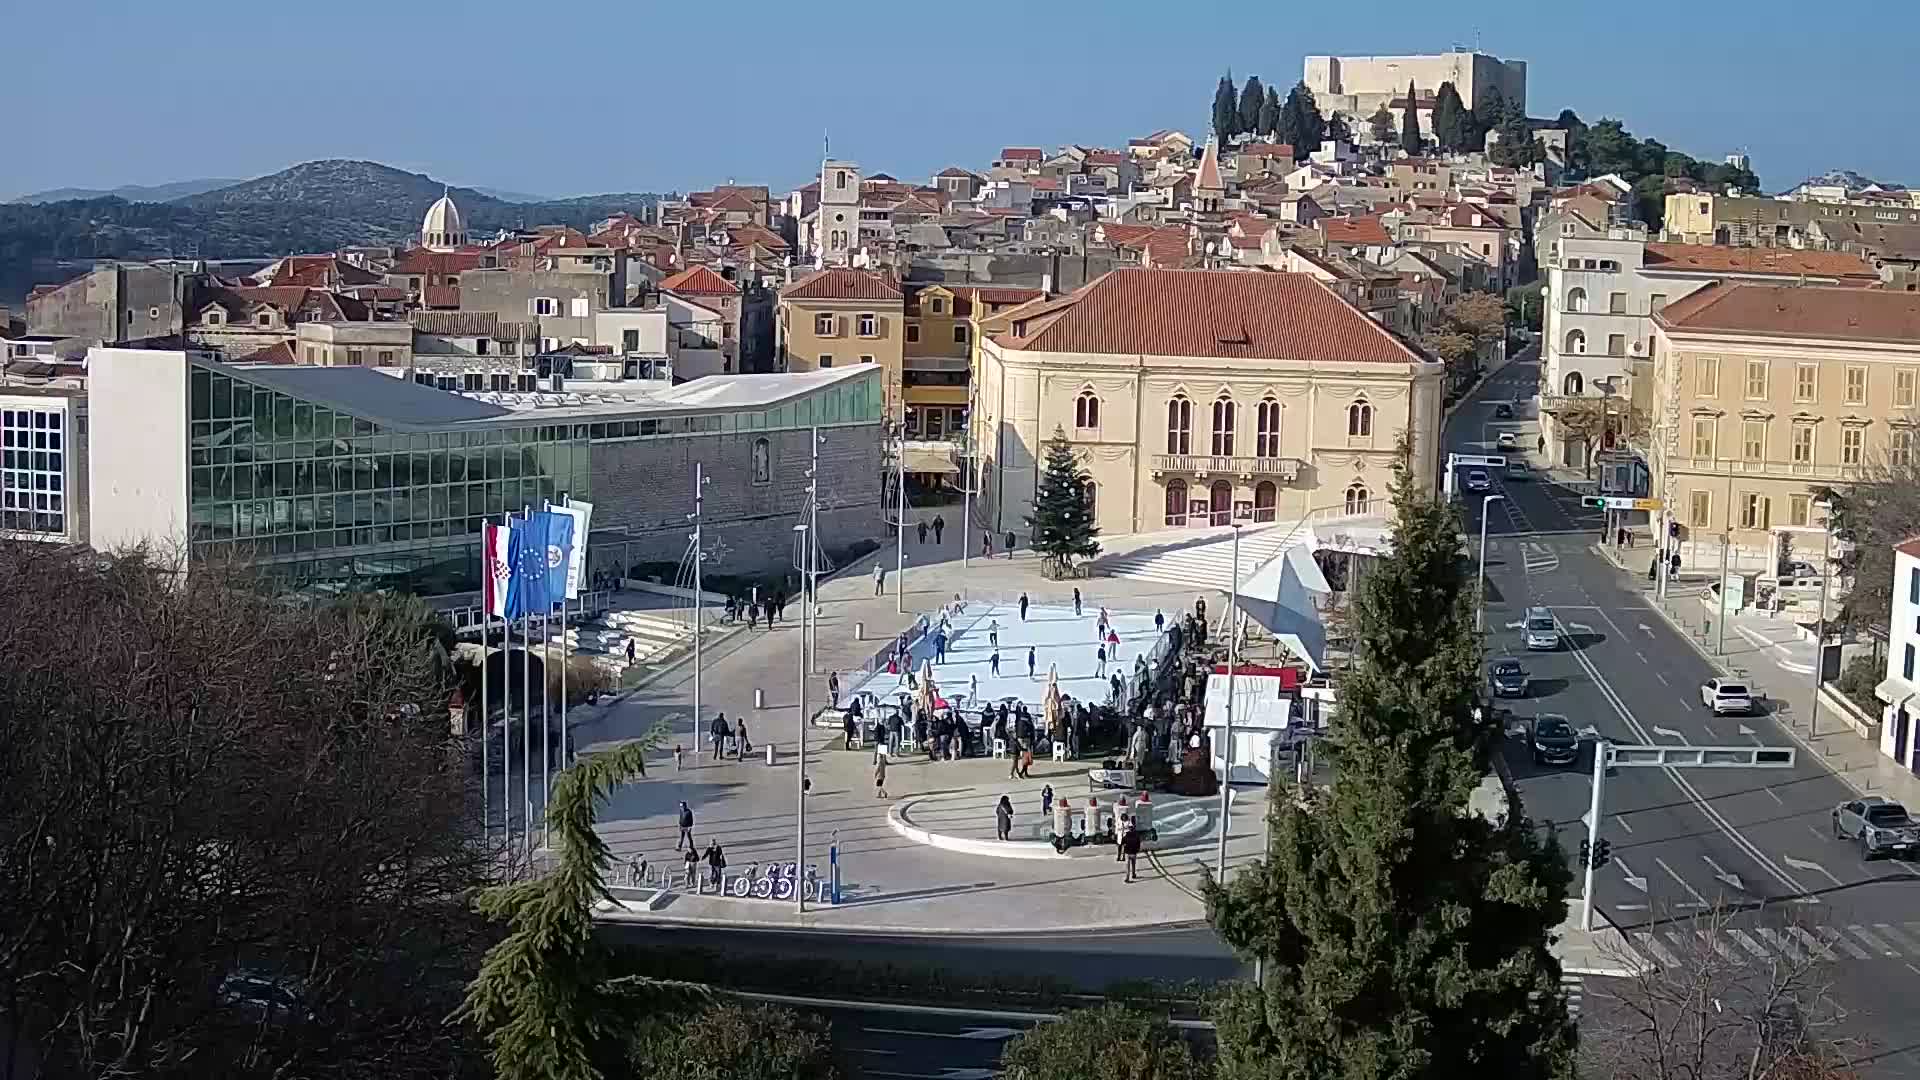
(973, 687)
(1159, 621)
(921, 529)
(1003, 818)
(939, 646)
(1076, 601)
(1032, 659)
(993, 633)
(1100, 662)
(879, 579)
(1023, 607)
(939, 526)
(686, 828)
(993, 663)
(1046, 803)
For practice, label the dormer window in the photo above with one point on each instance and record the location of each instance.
(265, 318)
(215, 317)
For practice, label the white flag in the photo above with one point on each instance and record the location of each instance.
(582, 515)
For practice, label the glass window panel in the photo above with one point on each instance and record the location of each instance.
(402, 506)
(223, 521)
(222, 395)
(457, 466)
(438, 460)
(222, 482)
(457, 502)
(323, 514)
(283, 478)
(199, 394)
(383, 508)
(342, 510)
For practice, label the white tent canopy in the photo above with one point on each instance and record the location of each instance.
(1283, 597)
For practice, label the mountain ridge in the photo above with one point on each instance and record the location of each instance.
(167, 192)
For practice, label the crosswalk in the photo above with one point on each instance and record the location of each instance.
(1676, 947)
(1575, 988)
(1538, 557)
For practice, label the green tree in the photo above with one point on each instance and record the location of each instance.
(1339, 131)
(1517, 146)
(1270, 113)
(1450, 120)
(1410, 124)
(1524, 307)
(1226, 110)
(732, 1040)
(1403, 935)
(1252, 98)
(544, 998)
(1106, 1042)
(1380, 125)
(1300, 116)
(1062, 519)
(1650, 200)
(1490, 110)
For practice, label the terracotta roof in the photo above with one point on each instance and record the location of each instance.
(842, 284)
(1754, 260)
(320, 272)
(1000, 294)
(955, 171)
(1120, 234)
(280, 352)
(1106, 157)
(1909, 547)
(735, 202)
(376, 293)
(699, 281)
(456, 323)
(289, 300)
(1227, 314)
(422, 261)
(1045, 183)
(1021, 153)
(1358, 231)
(1269, 149)
(1806, 311)
(441, 296)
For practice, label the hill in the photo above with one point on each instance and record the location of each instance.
(179, 189)
(314, 206)
(1846, 178)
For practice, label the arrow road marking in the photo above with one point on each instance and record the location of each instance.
(1669, 733)
(995, 1034)
(1803, 864)
(1731, 881)
(1635, 882)
(1590, 732)
(1580, 627)
(1647, 630)
(1698, 901)
(1622, 822)
(1748, 733)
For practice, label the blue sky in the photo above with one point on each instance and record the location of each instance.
(591, 96)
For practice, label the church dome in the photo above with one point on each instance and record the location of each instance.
(442, 228)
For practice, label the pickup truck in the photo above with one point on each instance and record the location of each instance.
(1725, 697)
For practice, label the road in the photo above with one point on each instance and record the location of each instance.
(1682, 840)
(886, 1042)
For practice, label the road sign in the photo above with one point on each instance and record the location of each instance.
(1496, 461)
(1618, 502)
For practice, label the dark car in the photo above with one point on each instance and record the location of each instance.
(1507, 678)
(1478, 480)
(1553, 740)
(1503, 411)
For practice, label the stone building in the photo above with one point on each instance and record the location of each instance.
(116, 302)
(1357, 85)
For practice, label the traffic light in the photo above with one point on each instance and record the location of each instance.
(1602, 853)
(1593, 502)
(1586, 853)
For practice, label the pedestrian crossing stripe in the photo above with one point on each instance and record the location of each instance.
(1574, 987)
(1753, 944)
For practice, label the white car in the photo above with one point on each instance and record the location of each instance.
(1726, 697)
(1506, 441)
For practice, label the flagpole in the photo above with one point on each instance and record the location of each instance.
(506, 699)
(566, 649)
(699, 486)
(486, 712)
(526, 718)
(546, 729)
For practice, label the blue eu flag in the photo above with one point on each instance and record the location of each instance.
(527, 556)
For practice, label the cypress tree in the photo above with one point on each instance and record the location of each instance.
(1381, 125)
(1490, 110)
(1226, 111)
(1062, 519)
(1403, 936)
(1302, 115)
(1270, 114)
(1410, 124)
(1450, 119)
(1339, 131)
(1252, 97)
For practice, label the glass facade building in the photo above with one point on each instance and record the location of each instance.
(327, 498)
(33, 469)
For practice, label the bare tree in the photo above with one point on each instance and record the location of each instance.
(1713, 1008)
(1874, 513)
(235, 837)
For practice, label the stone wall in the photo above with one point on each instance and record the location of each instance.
(643, 492)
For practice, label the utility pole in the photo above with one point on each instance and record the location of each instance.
(699, 500)
(1226, 742)
(810, 536)
(900, 533)
(1480, 580)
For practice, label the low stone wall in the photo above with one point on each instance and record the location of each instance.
(1838, 704)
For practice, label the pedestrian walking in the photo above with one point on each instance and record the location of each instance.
(1046, 803)
(1540, 445)
(686, 828)
(630, 651)
(939, 646)
(1076, 601)
(833, 687)
(847, 726)
(993, 633)
(693, 867)
(986, 545)
(973, 687)
(879, 579)
(1026, 759)
(1100, 661)
(718, 732)
(1031, 659)
(1159, 621)
(880, 777)
(1003, 818)
(1009, 544)
(716, 864)
(921, 529)
(1653, 567)
(1023, 607)
(939, 526)
(744, 745)
(1130, 844)
(753, 617)
(993, 663)
(1673, 564)
(678, 750)
(780, 603)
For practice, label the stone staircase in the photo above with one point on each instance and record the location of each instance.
(655, 633)
(1201, 558)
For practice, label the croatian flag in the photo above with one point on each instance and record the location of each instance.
(495, 568)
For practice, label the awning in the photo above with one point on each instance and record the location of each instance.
(931, 459)
(1895, 691)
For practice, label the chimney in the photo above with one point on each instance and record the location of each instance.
(1046, 284)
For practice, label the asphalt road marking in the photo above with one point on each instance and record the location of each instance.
(1879, 946)
(1698, 901)
(1835, 937)
(1808, 864)
(1660, 954)
(1894, 934)
(1747, 943)
(1813, 945)
(1622, 822)
(1713, 942)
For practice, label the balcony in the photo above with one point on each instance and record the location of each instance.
(1246, 468)
(1769, 470)
(935, 363)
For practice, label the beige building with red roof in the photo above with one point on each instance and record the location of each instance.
(1198, 398)
(842, 317)
(1769, 393)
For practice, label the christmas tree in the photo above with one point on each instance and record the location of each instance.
(1062, 519)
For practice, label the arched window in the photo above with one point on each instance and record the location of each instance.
(1357, 498)
(1179, 426)
(1220, 503)
(1265, 495)
(762, 461)
(1571, 384)
(1576, 342)
(1576, 299)
(1360, 419)
(1223, 411)
(1266, 439)
(1086, 410)
(1176, 502)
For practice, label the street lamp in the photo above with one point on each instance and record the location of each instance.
(1226, 742)
(1480, 581)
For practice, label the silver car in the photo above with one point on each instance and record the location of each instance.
(1880, 825)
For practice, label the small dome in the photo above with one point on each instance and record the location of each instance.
(442, 228)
